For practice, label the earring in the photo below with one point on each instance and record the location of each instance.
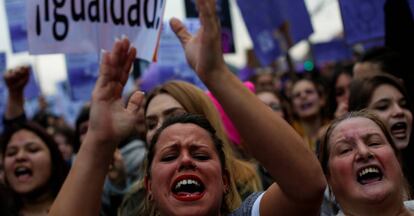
(149, 197)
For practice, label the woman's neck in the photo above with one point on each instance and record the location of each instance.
(311, 125)
(37, 206)
(392, 208)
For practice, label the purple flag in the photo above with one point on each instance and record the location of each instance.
(363, 20)
(32, 90)
(335, 50)
(223, 10)
(261, 28)
(82, 73)
(297, 16)
(411, 4)
(3, 91)
(16, 16)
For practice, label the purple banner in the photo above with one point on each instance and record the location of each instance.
(297, 16)
(363, 20)
(3, 90)
(82, 74)
(32, 90)
(16, 16)
(411, 4)
(336, 50)
(223, 9)
(261, 29)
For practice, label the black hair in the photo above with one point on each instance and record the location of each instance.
(82, 117)
(338, 71)
(387, 59)
(361, 90)
(59, 168)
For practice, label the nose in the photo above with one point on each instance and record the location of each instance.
(364, 153)
(397, 111)
(21, 155)
(187, 162)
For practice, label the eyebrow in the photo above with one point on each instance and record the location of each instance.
(166, 112)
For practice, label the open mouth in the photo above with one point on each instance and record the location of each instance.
(306, 106)
(188, 188)
(23, 173)
(399, 130)
(369, 175)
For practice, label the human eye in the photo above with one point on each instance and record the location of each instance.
(382, 106)
(168, 157)
(151, 124)
(11, 152)
(344, 149)
(310, 91)
(177, 112)
(201, 156)
(403, 103)
(374, 142)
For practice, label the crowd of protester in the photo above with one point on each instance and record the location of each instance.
(332, 143)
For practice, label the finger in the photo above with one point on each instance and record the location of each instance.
(128, 64)
(117, 53)
(180, 30)
(207, 14)
(135, 101)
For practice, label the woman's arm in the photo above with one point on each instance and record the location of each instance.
(109, 123)
(269, 138)
(16, 79)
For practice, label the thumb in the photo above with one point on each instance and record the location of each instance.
(135, 101)
(180, 30)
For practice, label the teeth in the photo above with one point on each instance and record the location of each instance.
(368, 170)
(185, 182)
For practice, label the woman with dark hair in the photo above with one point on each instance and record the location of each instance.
(34, 168)
(339, 94)
(308, 105)
(386, 96)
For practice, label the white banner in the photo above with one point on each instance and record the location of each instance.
(85, 26)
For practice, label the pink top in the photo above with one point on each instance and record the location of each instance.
(231, 131)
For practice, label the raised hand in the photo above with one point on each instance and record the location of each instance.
(16, 79)
(203, 50)
(110, 121)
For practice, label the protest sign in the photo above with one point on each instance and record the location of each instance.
(362, 20)
(172, 63)
(297, 16)
(331, 51)
(3, 90)
(91, 25)
(83, 72)
(3, 65)
(32, 90)
(16, 17)
(261, 28)
(411, 4)
(223, 11)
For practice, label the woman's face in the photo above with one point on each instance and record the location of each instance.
(27, 162)
(342, 88)
(391, 106)
(186, 173)
(305, 99)
(64, 147)
(362, 165)
(160, 108)
(272, 101)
